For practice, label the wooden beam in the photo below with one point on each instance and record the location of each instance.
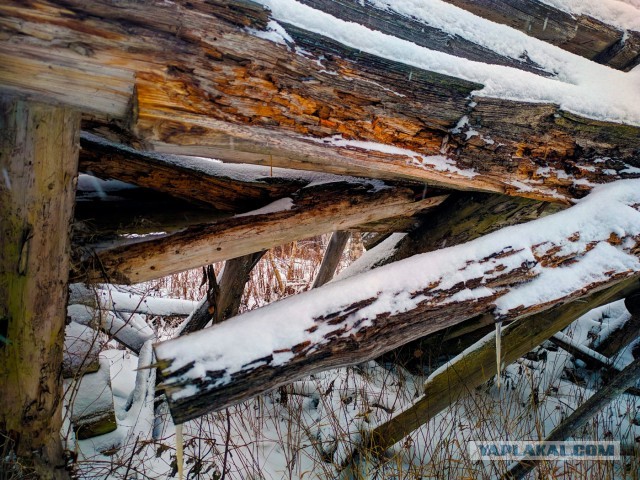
(203, 84)
(474, 367)
(582, 415)
(331, 258)
(313, 211)
(38, 168)
(579, 34)
(334, 329)
(181, 178)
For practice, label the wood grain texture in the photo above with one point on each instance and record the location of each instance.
(38, 163)
(203, 85)
(314, 210)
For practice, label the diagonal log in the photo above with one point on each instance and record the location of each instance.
(183, 178)
(198, 79)
(331, 258)
(515, 272)
(472, 368)
(582, 415)
(312, 211)
(579, 34)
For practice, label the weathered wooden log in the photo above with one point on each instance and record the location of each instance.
(38, 168)
(313, 211)
(388, 21)
(201, 83)
(235, 276)
(182, 177)
(474, 367)
(587, 355)
(331, 258)
(583, 414)
(582, 35)
(360, 318)
(81, 349)
(619, 338)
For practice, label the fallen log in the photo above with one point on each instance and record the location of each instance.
(199, 79)
(475, 366)
(582, 415)
(514, 272)
(313, 211)
(579, 34)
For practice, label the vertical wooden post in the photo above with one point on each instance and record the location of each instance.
(38, 169)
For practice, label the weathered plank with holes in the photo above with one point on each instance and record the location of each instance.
(312, 211)
(364, 316)
(192, 79)
(38, 168)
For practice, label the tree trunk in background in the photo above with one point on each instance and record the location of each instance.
(331, 258)
(38, 167)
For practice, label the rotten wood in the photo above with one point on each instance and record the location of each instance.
(579, 34)
(178, 178)
(192, 79)
(38, 164)
(331, 258)
(477, 366)
(312, 211)
(353, 336)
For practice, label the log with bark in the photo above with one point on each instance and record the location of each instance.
(312, 211)
(198, 79)
(515, 272)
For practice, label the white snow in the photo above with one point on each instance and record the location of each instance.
(581, 86)
(279, 205)
(277, 327)
(623, 14)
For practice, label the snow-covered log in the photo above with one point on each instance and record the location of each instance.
(475, 366)
(514, 272)
(298, 88)
(312, 211)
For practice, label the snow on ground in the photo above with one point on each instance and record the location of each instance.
(581, 86)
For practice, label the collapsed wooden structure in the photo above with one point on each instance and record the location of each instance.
(399, 147)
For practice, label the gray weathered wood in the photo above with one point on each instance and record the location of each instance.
(331, 258)
(38, 168)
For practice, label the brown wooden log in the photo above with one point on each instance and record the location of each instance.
(471, 370)
(312, 211)
(331, 258)
(363, 326)
(214, 89)
(226, 303)
(178, 178)
(582, 35)
(38, 164)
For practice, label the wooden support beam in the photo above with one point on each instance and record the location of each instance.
(313, 211)
(579, 34)
(182, 177)
(192, 79)
(362, 317)
(38, 169)
(474, 367)
(582, 415)
(331, 258)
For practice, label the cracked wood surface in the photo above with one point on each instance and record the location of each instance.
(190, 78)
(312, 211)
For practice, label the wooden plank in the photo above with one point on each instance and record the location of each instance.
(582, 35)
(214, 89)
(377, 316)
(38, 165)
(478, 365)
(313, 211)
